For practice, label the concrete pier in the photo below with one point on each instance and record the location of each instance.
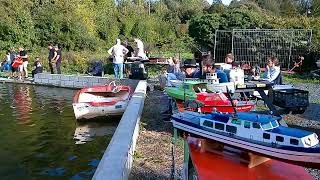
(77, 82)
(117, 160)
(70, 81)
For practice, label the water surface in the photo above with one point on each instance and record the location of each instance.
(40, 138)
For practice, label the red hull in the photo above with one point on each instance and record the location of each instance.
(213, 166)
(221, 103)
(229, 109)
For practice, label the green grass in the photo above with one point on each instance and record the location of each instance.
(299, 78)
(137, 155)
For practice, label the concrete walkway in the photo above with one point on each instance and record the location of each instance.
(117, 160)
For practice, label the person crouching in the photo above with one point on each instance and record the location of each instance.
(38, 67)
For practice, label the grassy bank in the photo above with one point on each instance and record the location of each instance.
(299, 78)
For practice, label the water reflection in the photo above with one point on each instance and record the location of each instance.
(37, 135)
(22, 104)
(86, 132)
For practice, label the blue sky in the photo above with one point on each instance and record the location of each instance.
(226, 2)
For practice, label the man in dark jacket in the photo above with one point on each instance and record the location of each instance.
(51, 57)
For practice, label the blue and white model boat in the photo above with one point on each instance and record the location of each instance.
(257, 133)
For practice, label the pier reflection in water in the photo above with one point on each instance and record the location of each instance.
(40, 138)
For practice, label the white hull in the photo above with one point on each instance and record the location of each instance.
(222, 87)
(86, 111)
(299, 157)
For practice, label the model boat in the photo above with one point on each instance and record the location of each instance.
(193, 90)
(257, 133)
(97, 101)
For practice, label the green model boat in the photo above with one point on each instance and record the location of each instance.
(187, 91)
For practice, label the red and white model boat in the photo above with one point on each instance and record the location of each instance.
(97, 101)
(221, 103)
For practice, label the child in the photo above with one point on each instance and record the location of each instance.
(38, 67)
(17, 66)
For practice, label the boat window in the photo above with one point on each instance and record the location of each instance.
(231, 129)
(199, 87)
(256, 125)
(208, 123)
(247, 124)
(266, 136)
(267, 126)
(219, 126)
(294, 141)
(274, 124)
(236, 121)
(279, 138)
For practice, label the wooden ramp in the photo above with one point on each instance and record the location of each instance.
(208, 165)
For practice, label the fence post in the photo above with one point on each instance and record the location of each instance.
(215, 45)
(290, 50)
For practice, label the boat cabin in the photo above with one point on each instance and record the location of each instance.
(258, 128)
(196, 87)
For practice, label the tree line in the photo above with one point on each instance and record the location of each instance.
(93, 25)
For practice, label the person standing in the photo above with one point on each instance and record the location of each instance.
(13, 56)
(130, 48)
(118, 52)
(24, 67)
(140, 49)
(58, 59)
(51, 57)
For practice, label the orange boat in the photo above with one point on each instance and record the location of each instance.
(209, 165)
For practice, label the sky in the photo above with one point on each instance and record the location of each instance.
(226, 2)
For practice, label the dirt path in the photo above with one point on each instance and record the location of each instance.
(153, 156)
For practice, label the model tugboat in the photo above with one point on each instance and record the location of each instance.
(258, 133)
(193, 90)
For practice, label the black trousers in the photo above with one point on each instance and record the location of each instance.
(58, 65)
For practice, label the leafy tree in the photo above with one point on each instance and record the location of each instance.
(316, 8)
(16, 24)
(203, 27)
(288, 8)
(273, 6)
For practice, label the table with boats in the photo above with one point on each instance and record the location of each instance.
(221, 136)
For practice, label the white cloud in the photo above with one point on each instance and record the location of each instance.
(226, 2)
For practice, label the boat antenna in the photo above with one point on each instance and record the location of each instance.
(230, 99)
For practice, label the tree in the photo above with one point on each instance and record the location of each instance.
(316, 8)
(288, 8)
(273, 6)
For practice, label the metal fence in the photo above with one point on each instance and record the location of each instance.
(254, 46)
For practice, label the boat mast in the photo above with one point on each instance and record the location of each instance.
(230, 99)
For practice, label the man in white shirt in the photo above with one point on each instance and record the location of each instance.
(140, 49)
(118, 52)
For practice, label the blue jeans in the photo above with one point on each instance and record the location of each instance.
(118, 70)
